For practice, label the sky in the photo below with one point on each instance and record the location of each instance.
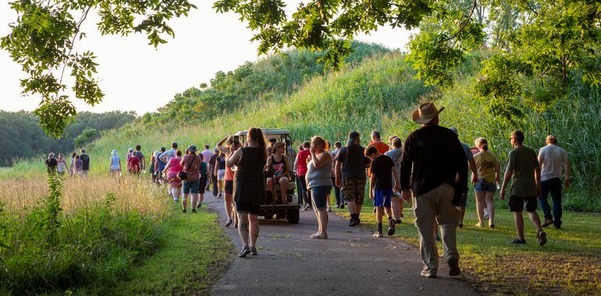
(135, 76)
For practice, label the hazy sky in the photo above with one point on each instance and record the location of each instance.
(135, 76)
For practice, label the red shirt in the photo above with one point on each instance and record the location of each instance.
(301, 162)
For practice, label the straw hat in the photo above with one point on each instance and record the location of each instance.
(425, 113)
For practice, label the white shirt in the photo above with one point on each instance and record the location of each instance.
(552, 159)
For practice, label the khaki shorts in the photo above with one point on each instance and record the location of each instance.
(353, 190)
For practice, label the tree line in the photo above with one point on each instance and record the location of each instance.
(23, 138)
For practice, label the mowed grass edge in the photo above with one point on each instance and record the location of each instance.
(194, 254)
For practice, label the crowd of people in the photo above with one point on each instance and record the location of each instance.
(78, 166)
(430, 170)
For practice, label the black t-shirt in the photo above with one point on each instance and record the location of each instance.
(382, 168)
(51, 163)
(85, 159)
(353, 162)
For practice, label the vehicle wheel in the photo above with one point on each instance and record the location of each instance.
(293, 216)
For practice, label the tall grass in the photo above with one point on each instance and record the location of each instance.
(75, 232)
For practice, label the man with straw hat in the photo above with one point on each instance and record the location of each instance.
(431, 161)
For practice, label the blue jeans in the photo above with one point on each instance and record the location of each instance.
(552, 186)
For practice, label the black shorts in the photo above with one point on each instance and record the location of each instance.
(243, 207)
(229, 187)
(203, 184)
(519, 203)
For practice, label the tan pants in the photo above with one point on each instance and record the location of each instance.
(436, 204)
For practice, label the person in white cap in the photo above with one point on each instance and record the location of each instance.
(433, 163)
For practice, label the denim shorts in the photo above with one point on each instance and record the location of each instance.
(319, 196)
(483, 185)
(191, 187)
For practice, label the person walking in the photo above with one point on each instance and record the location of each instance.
(227, 147)
(61, 164)
(337, 192)
(114, 164)
(432, 160)
(553, 159)
(206, 157)
(300, 165)
(191, 164)
(381, 186)
(138, 153)
(488, 176)
(212, 170)
(85, 160)
(171, 170)
(51, 163)
(376, 141)
(72, 164)
(249, 187)
(319, 182)
(472, 167)
(396, 202)
(523, 171)
(351, 176)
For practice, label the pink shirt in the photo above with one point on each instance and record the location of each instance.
(174, 166)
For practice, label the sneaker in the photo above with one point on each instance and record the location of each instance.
(228, 222)
(342, 205)
(329, 209)
(391, 227)
(454, 267)
(460, 225)
(398, 221)
(428, 274)
(253, 251)
(193, 210)
(318, 236)
(199, 206)
(542, 238)
(176, 200)
(547, 223)
(378, 234)
(245, 251)
(518, 241)
(184, 211)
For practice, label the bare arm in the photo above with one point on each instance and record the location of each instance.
(338, 173)
(567, 171)
(319, 160)
(474, 171)
(506, 179)
(234, 159)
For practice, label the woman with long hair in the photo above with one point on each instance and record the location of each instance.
(488, 176)
(249, 187)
